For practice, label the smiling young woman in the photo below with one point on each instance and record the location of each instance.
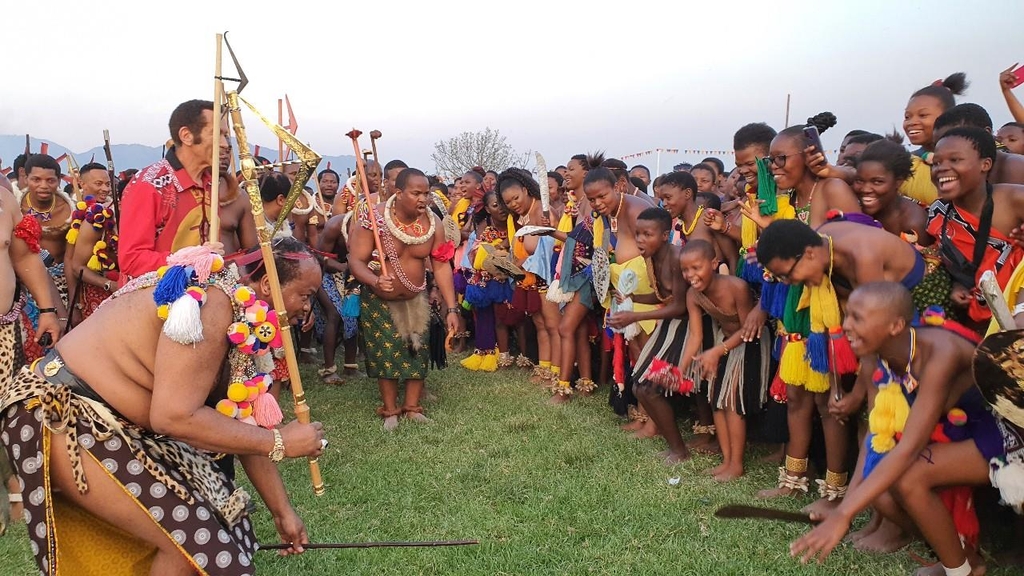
(970, 209)
(924, 107)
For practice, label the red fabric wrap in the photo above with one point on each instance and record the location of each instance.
(444, 252)
(959, 500)
(30, 232)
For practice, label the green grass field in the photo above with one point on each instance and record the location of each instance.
(546, 490)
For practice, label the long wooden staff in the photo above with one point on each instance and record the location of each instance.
(248, 166)
(339, 545)
(280, 142)
(363, 183)
(113, 179)
(74, 172)
(374, 136)
(218, 98)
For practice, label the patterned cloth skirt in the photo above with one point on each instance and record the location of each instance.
(334, 285)
(389, 356)
(184, 492)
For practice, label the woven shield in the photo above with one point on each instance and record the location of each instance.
(999, 373)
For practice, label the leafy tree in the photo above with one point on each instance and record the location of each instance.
(455, 156)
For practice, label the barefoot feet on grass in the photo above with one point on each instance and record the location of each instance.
(673, 458)
(867, 530)
(771, 493)
(886, 539)
(391, 423)
(822, 507)
(648, 430)
(632, 426)
(417, 417)
(716, 470)
(729, 473)
(557, 399)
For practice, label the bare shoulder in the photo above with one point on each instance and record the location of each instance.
(946, 347)
(836, 186)
(1012, 169)
(9, 205)
(915, 216)
(636, 204)
(217, 313)
(734, 284)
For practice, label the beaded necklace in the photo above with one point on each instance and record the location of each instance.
(399, 229)
(614, 220)
(803, 213)
(42, 215)
(687, 230)
(525, 218)
(654, 281)
(387, 241)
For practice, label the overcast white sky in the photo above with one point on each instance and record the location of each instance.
(561, 78)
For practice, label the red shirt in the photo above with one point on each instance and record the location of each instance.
(163, 209)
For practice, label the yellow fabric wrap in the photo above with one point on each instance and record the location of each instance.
(919, 186)
(460, 210)
(565, 222)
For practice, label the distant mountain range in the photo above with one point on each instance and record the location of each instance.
(131, 155)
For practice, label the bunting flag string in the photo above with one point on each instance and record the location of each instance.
(695, 152)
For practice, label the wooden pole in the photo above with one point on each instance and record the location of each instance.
(374, 136)
(280, 122)
(218, 98)
(248, 166)
(361, 171)
(787, 112)
(320, 195)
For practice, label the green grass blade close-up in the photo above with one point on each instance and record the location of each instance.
(545, 489)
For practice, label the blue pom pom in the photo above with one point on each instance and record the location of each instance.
(173, 284)
(773, 298)
(752, 273)
(871, 458)
(817, 352)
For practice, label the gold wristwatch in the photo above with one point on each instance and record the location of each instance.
(277, 454)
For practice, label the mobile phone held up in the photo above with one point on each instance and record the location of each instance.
(1019, 75)
(811, 132)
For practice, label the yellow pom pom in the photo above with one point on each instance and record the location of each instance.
(793, 369)
(218, 264)
(238, 392)
(227, 408)
(100, 245)
(817, 382)
(161, 271)
(162, 311)
(254, 391)
(882, 444)
(888, 417)
(245, 296)
(244, 410)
